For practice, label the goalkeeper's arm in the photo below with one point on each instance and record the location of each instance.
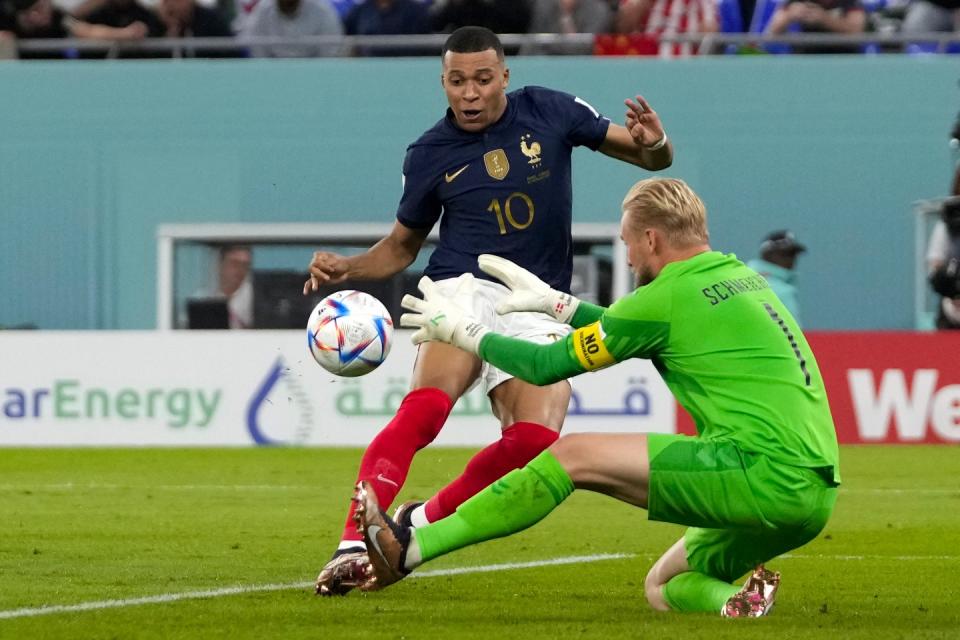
(539, 364)
(586, 313)
(583, 350)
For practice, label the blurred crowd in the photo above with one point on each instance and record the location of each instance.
(618, 27)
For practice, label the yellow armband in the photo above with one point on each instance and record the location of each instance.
(589, 347)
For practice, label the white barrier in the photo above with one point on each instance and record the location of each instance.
(213, 388)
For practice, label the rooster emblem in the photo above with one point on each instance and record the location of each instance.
(532, 151)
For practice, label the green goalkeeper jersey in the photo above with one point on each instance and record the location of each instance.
(727, 348)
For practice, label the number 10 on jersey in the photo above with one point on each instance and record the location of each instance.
(505, 212)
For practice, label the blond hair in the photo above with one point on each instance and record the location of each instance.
(669, 205)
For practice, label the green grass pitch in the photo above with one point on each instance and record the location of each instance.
(90, 526)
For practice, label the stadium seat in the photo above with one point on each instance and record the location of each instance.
(922, 48)
(762, 12)
(872, 6)
(633, 44)
(731, 21)
(930, 48)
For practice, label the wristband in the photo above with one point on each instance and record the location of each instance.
(563, 306)
(659, 144)
(468, 337)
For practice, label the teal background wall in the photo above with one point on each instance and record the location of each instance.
(94, 155)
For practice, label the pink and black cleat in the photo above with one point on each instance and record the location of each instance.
(756, 598)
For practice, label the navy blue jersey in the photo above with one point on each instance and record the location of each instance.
(504, 190)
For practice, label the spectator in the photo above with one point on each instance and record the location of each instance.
(188, 19)
(778, 257)
(40, 19)
(388, 17)
(500, 16)
(571, 16)
(8, 39)
(926, 16)
(8, 43)
(820, 16)
(568, 17)
(291, 19)
(234, 284)
(123, 13)
(344, 7)
(658, 18)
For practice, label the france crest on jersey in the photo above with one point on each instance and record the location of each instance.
(505, 190)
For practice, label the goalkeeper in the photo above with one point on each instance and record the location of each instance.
(759, 479)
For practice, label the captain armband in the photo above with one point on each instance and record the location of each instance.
(588, 345)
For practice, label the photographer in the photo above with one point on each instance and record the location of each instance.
(943, 262)
(943, 249)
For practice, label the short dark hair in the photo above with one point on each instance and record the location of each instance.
(227, 248)
(472, 40)
(22, 5)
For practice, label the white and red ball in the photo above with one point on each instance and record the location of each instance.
(349, 333)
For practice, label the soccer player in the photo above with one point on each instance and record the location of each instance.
(759, 479)
(497, 167)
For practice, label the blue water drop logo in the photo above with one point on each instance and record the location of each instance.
(279, 379)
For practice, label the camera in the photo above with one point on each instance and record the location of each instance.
(945, 280)
(950, 214)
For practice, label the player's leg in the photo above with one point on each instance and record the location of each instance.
(695, 574)
(751, 510)
(797, 503)
(531, 418)
(441, 374)
(701, 483)
(671, 585)
(614, 464)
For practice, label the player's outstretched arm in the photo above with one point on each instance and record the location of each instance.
(642, 139)
(389, 256)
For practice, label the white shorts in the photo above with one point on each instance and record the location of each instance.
(532, 326)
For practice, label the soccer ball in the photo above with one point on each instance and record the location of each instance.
(349, 333)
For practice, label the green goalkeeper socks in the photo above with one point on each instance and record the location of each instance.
(516, 501)
(693, 591)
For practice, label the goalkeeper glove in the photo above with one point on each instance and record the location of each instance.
(437, 317)
(527, 291)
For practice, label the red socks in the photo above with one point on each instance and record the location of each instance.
(387, 460)
(520, 443)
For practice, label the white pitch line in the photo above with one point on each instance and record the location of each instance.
(522, 565)
(93, 486)
(936, 491)
(161, 598)
(70, 486)
(800, 556)
(261, 588)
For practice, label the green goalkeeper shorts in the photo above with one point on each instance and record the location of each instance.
(743, 508)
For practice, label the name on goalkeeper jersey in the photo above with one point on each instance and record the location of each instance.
(726, 289)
